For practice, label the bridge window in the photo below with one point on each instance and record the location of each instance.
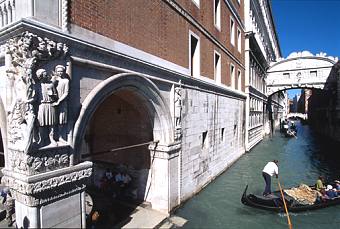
(217, 67)
(313, 73)
(286, 75)
(217, 14)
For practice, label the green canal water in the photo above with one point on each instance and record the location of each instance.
(301, 160)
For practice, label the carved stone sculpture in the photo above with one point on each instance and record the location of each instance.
(62, 85)
(46, 96)
(31, 109)
(178, 112)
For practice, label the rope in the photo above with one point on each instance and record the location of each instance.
(284, 203)
(116, 149)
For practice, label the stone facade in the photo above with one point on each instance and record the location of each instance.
(262, 48)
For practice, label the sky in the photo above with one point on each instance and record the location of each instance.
(312, 25)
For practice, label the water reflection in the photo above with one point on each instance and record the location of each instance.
(301, 160)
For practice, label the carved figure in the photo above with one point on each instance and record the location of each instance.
(62, 85)
(31, 109)
(47, 95)
(178, 106)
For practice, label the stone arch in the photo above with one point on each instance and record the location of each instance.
(162, 124)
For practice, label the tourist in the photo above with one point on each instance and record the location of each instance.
(9, 206)
(331, 193)
(268, 171)
(322, 195)
(320, 183)
(337, 185)
(122, 180)
(108, 174)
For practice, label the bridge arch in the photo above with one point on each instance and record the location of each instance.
(136, 85)
(299, 70)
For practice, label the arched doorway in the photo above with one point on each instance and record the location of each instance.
(118, 122)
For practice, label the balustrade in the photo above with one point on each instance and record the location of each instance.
(7, 12)
(52, 12)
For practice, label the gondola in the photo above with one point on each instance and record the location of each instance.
(273, 202)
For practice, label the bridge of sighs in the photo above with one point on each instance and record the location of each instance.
(300, 70)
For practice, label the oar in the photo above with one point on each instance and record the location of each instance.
(294, 135)
(284, 203)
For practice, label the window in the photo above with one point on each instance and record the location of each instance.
(217, 67)
(232, 76)
(313, 73)
(197, 2)
(239, 80)
(222, 135)
(232, 31)
(239, 41)
(217, 13)
(204, 143)
(286, 75)
(194, 60)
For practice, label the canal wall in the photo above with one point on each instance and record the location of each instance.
(213, 138)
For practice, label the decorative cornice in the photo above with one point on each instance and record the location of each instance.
(42, 188)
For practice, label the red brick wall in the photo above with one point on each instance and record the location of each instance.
(154, 27)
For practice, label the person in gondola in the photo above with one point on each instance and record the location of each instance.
(331, 193)
(320, 183)
(268, 171)
(337, 186)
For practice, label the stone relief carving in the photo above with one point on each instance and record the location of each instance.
(38, 162)
(178, 111)
(35, 95)
(39, 192)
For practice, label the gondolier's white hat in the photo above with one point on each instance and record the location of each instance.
(336, 181)
(329, 187)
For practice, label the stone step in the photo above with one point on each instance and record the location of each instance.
(172, 222)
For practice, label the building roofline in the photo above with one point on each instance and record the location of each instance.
(274, 27)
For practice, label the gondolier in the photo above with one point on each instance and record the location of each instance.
(268, 171)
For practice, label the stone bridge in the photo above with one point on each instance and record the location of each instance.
(298, 115)
(299, 70)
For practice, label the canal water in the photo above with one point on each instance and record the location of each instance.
(301, 160)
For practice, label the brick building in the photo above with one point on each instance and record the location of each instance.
(155, 88)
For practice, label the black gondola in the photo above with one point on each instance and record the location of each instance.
(274, 202)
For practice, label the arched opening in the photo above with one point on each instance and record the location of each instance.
(120, 118)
